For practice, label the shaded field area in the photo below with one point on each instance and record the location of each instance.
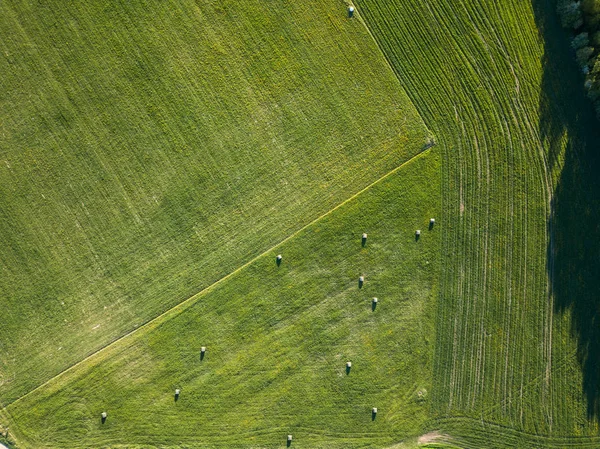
(277, 340)
(568, 122)
(147, 149)
(517, 351)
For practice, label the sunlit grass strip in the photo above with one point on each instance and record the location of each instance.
(278, 339)
(150, 148)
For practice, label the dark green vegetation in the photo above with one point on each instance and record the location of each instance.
(516, 358)
(277, 340)
(574, 250)
(147, 149)
(582, 18)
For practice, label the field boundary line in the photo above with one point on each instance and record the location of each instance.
(396, 74)
(189, 301)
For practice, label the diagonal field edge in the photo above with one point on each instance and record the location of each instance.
(390, 65)
(187, 302)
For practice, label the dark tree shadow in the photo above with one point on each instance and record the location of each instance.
(574, 232)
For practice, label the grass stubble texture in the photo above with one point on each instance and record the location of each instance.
(148, 148)
(515, 362)
(277, 341)
(517, 352)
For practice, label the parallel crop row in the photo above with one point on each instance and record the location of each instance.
(476, 72)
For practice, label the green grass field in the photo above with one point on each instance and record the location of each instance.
(148, 149)
(485, 333)
(494, 83)
(277, 341)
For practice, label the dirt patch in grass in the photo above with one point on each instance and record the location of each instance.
(432, 437)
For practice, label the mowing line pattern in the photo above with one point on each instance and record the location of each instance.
(182, 306)
(147, 149)
(476, 72)
(277, 340)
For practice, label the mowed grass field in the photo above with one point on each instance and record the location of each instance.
(506, 357)
(516, 354)
(148, 148)
(277, 341)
